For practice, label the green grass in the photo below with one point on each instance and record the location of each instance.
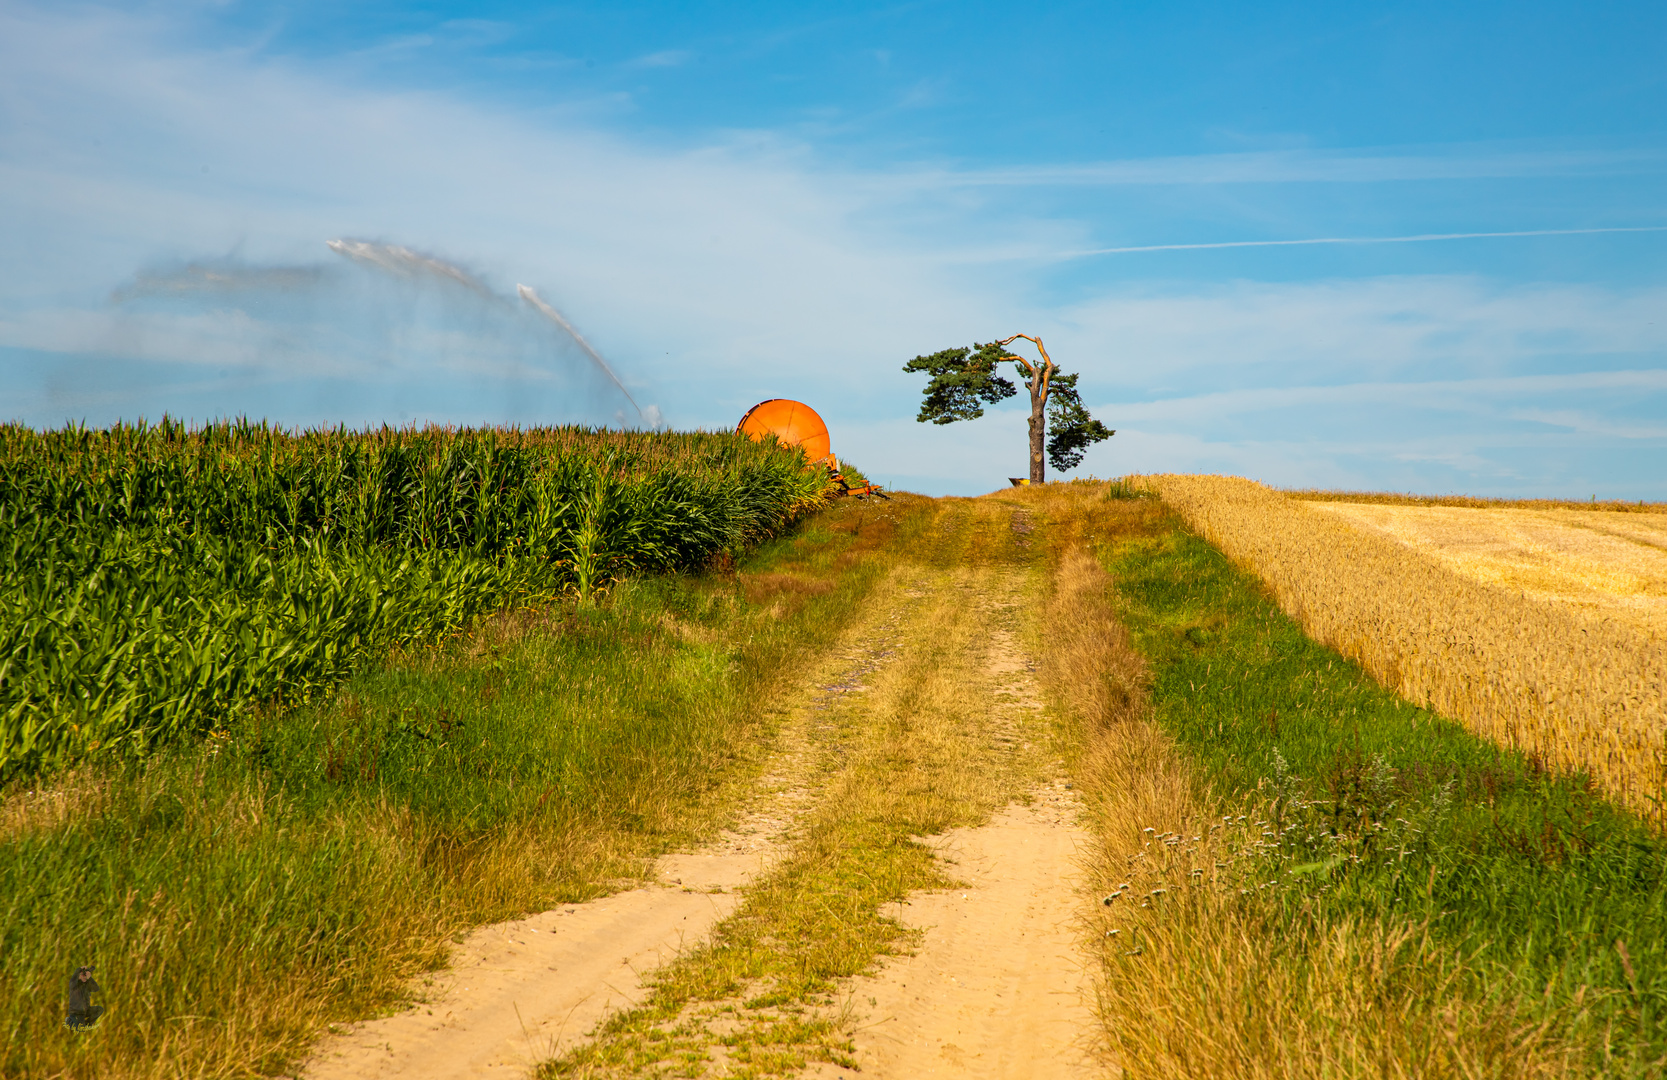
(1359, 803)
(239, 892)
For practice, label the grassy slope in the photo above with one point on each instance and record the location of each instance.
(238, 895)
(1363, 806)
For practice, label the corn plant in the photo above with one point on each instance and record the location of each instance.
(159, 580)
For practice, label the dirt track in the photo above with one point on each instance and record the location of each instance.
(994, 986)
(520, 991)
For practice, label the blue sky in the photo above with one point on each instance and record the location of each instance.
(753, 200)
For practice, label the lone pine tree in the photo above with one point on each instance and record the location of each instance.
(964, 380)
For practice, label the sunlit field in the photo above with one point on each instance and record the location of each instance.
(159, 581)
(1532, 673)
(1599, 563)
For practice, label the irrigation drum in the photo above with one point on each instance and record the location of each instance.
(792, 422)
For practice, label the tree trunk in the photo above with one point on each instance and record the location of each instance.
(1038, 429)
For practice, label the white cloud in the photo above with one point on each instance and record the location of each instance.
(1360, 330)
(1454, 395)
(1591, 424)
(1421, 238)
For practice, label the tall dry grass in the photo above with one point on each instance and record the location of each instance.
(1196, 978)
(1578, 694)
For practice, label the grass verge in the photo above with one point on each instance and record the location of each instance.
(239, 895)
(1307, 876)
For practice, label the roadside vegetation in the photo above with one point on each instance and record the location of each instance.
(1303, 874)
(1576, 694)
(158, 581)
(295, 867)
(1297, 872)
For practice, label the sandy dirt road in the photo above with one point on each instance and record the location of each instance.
(997, 987)
(994, 987)
(518, 992)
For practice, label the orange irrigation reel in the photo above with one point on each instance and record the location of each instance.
(796, 424)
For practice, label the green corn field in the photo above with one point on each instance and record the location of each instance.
(158, 580)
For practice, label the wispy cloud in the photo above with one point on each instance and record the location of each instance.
(1432, 390)
(1594, 424)
(1359, 331)
(476, 32)
(1311, 166)
(1418, 239)
(665, 58)
(1443, 395)
(923, 94)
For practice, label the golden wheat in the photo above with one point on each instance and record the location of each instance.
(1598, 563)
(1579, 692)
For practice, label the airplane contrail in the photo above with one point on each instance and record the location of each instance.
(1360, 240)
(526, 293)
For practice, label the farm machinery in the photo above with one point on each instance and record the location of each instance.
(794, 423)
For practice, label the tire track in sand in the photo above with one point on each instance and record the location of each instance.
(999, 985)
(523, 991)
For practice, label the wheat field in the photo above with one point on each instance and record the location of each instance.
(1527, 629)
(1600, 564)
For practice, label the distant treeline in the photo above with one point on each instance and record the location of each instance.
(158, 579)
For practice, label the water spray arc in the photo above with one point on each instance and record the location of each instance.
(404, 263)
(526, 293)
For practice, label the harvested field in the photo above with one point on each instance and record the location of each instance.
(1474, 502)
(1599, 563)
(1531, 673)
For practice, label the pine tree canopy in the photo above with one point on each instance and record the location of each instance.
(1071, 431)
(963, 382)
